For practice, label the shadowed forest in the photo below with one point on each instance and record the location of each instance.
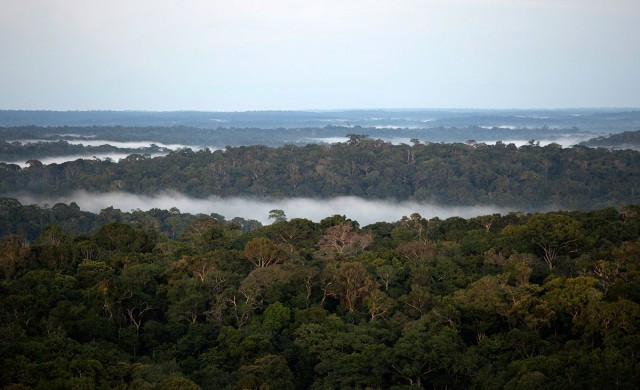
(161, 299)
(528, 178)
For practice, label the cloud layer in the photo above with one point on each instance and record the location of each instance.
(361, 210)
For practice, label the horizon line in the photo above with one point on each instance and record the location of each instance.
(319, 110)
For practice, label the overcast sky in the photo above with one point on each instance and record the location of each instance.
(226, 55)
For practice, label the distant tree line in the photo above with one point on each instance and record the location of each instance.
(517, 301)
(16, 151)
(219, 137)
(624, 140)
(526, 178)
(29, 221)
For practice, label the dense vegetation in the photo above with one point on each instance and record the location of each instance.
(528, 177)
(624, 140)
(167, 300)
(220, 137)
(29, 221)
(17, 151)
(514, 301)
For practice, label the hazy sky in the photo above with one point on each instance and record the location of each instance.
(318, 54)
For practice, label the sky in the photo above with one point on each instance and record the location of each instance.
(215, 55)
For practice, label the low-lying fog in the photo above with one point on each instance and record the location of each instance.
(564, 140)
(115, 156)
(364, 211)
(62, 159)
(117, 144)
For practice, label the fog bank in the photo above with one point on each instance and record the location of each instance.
(564, 140)
(115, 156)
(117, 144)
(362, 210)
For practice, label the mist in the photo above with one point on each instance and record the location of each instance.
(117, 144)
(564, 140)
(62, 159)
(115, 156)
(364, 211)
(131, 144)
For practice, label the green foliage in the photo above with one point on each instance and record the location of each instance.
(528, 177)
(412, 304)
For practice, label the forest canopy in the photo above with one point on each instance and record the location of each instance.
(529, 177)
(166, 300)
(170, 300)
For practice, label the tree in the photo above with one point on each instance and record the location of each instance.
(342, 239)
(571, 295)
(417, 250)
(484, 305)
(426, 353)
(297, 234)
(262, 252)
(177, 382)
(35, 164)
(356, 139)
(277, 216)
(528, 310)
(13, 252)
(137, 287)
(379, 304)
(520, 267)
(355, 284)
(552, 233)
(51, 235)
(121, 237)
(267, 372)
(418, 300)
(188, 300)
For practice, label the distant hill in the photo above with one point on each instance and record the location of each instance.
(600, 121)
(625, 140)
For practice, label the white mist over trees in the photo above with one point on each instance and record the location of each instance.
(362, 210)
